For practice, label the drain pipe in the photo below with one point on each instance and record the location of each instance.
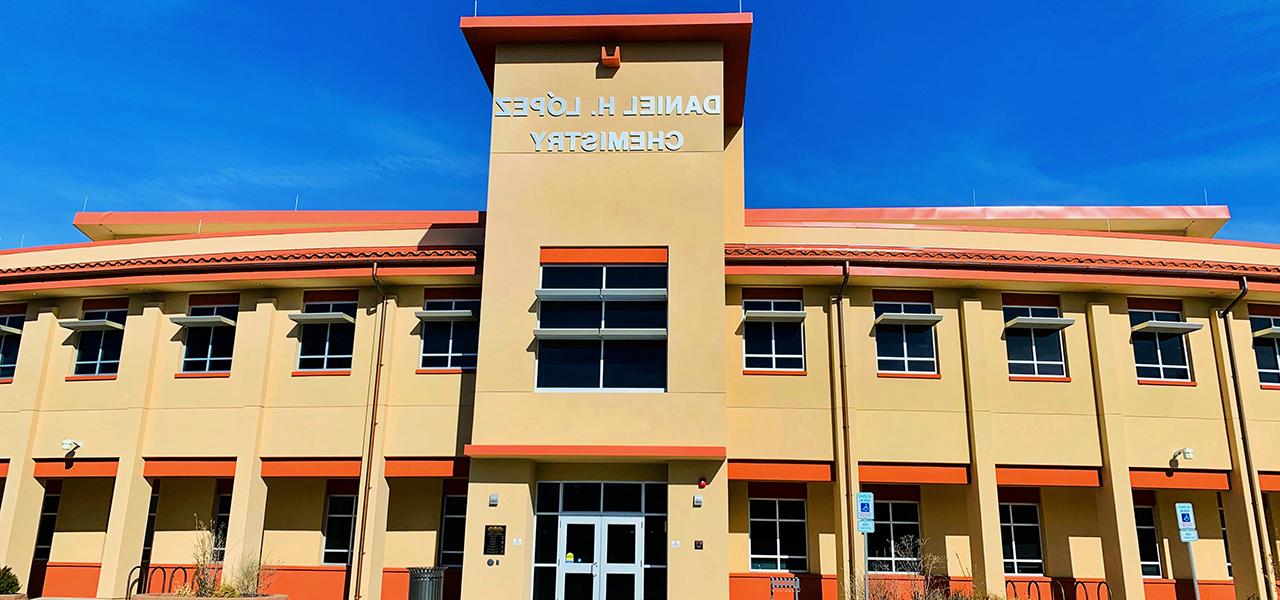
(373, 428)
(845, 417)
(1255, 499)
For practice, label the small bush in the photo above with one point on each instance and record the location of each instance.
(9, 582)
(226, 590)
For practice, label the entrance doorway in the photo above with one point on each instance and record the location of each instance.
(600, 558)
(600, 541)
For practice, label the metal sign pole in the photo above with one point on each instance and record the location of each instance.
(1187, 533)
(1195, 582)
(866, 566)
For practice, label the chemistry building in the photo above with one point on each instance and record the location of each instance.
(616, 383)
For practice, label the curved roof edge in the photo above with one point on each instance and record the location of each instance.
(102, 226)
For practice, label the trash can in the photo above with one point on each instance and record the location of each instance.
(426, 583)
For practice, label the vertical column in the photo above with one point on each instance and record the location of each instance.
(847, 542)
(688, 568)
(1108, 333)
(248, 489)
(982, 496)
(131, 497)
(510, 575)
(1250, 555)
(373, 512)
(23, 494)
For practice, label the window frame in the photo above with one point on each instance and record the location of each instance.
(887, 521)
(220, 523)
(1013, 539)
(1158, 563)
(1160, 365)
(16, 320)
(906, 358)
(326, 535)
(458, 520)
(97, 361)
(449, 355)
(1035, 361)
(773, 355)
(778, 557)
(328, 338)
(208, 358)
(1272, 321)
(602, 340)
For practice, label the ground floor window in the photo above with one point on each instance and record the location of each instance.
(339, 521)
(48, 520)
(600, 540)
(1148, 541)
(221, 518)
(894, 547)
(453, 525)
(1020, 539)
(1226, 546)
(778, 537)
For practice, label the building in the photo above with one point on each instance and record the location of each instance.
(617, 382)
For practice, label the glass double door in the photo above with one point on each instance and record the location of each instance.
(600, 558)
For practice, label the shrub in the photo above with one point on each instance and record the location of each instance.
(226, 590)
(9, 582)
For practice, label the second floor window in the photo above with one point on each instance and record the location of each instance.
(1020, 537)
(11, 322)
(327, 343)
(450, 334)
(1266, 348)
(602, 327)
(1033, 350)
(208, 348)
(98, 350)
(778, 536)
(904, 346)
(773, 330)
(1158, 353)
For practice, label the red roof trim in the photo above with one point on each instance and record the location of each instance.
(756, 216)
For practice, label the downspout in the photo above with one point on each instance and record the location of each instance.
(373, 428)
(1255, 497)
(845, 417)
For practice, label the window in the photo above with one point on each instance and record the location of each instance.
(1148, 541)
(602, 327)
(48, 520)
(98, 350)
(453, 528)
(11, 321)
(1222, 521)
(1266, 349)
(1159, 355)
(208, 348)
(450, 343)
(339, 525)
(894, 547)
(1034, 351)
(778, 538)
(1020, 537)
(149, 536)
(221, 519)
(772, 333)
(327, 346)
(901, 347)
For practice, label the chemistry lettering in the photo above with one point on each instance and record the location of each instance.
(623, 140)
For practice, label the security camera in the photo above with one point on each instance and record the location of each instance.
(70, 445)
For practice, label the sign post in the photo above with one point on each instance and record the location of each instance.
(866, 525)
(1187, 533)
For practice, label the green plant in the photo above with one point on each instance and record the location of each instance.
(226, 590)
(9, 583)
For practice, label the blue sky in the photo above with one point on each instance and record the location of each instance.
(195, 105)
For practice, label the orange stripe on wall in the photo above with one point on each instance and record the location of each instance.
(1049, 476)
(250, 276)
(14, 308)
(59, 469)
(4, 469)
(755, 586)
(71, 580)
(1257, 310)
(311, 467)
(1269, 482)
(425, 467)
(779, 471)
(1158, 479)
(330, 296)
(552, 256)
(189, 467)
(309, 583)
(675, 452)
(1170, 589)
(913, 474)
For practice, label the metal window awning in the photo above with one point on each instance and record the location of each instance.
(773, 315)
(1039, 323)
(460, 314)
(322, 318)
(1270, 332)
(8, 330)
(202, 321)
(929, 319)
(597, 334)
(1178, 327)
(585, 295)
(91, 325)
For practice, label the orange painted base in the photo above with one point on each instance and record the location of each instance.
(312, 583)
(755, 586)
(1181, 589)
(71, 580)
